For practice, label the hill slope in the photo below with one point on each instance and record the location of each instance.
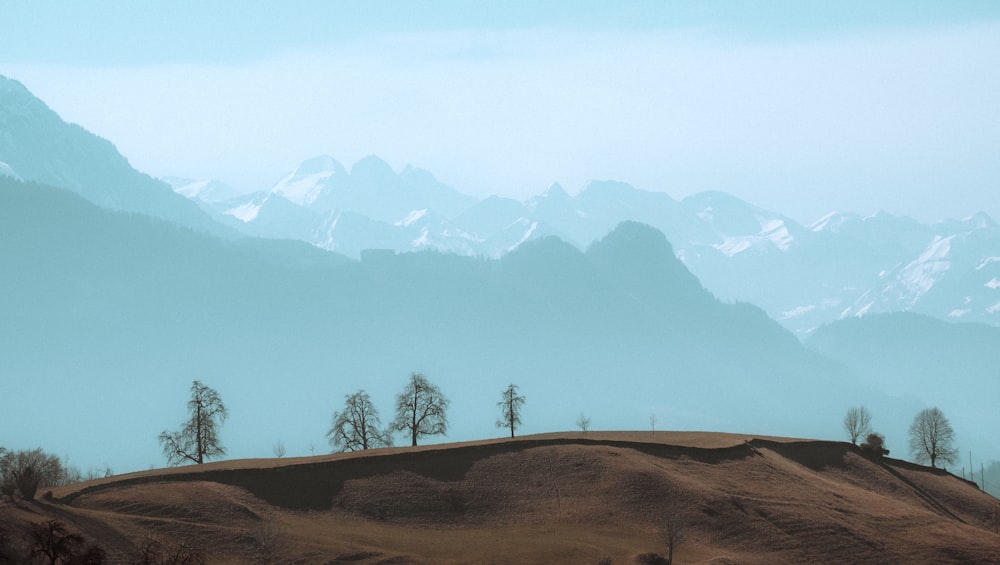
(558, 498)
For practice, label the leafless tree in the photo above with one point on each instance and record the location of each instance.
(52, 542)
(421, 409)
(673, 533)
(932, 438)
(583, 422)
(27, 471)
(357, 427)
(266, 543)
(652, 422)
(857, 422)
(199, 438)
(510, 409)
(279, 449)
(155, 553)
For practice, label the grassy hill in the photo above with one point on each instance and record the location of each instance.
(552, 498)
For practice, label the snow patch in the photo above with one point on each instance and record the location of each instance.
(733, 245)
(411, 218)
(795, 312)
(864, 310)
(423, 240)
(8, 171)
(958, 313)
(994, 284)
(777, 232)
(191, 189)
(994, 309)
(527, 235)
(821, 223)
(981, 266)
(245, 213)
(302, 190)
(921, 275)
(773, 231)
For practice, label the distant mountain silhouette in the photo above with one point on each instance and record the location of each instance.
(39, 146)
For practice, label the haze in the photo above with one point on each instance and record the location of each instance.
(800, 107)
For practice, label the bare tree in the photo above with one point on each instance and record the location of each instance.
(583, 422)
(421, 409)
(857, 422)
(52, 542)
(652, 422)
(510, 409)
(279, 449)
(199, 438)
(266, 543)
(931, 438)
(673, 533)
(357, 427)
(27, 471)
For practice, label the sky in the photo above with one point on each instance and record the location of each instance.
(796, 106)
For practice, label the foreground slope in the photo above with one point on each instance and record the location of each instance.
(914, 354)
(554, 498)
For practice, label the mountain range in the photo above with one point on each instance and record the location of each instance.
(840, 266)
(615, 301)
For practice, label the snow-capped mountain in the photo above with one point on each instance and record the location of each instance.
(37, 145)
(839, 266)
(207, 191)
(370, 206)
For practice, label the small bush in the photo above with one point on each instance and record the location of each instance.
(650, 559)
(874, 446)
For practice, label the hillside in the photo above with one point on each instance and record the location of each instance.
(914, 354)
(555, 498)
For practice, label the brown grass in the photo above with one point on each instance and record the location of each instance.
(553, 498)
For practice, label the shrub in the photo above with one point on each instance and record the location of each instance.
(874, 445)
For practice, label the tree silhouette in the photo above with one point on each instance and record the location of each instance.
(510, 409)
(199, 438)
(857, 422)
(672, 533)
(27, 470)
(931, 438)
(357, 427)
(52, 542)
(874, 445)
(421, 409)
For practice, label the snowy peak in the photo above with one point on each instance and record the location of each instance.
(740, 227)
(304, 185)
(833, 222)
(207, 191)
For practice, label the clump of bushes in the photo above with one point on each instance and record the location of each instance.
(874, 446)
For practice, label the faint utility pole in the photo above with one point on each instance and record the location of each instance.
(652, 422)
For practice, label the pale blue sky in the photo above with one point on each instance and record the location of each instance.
(802, 107)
